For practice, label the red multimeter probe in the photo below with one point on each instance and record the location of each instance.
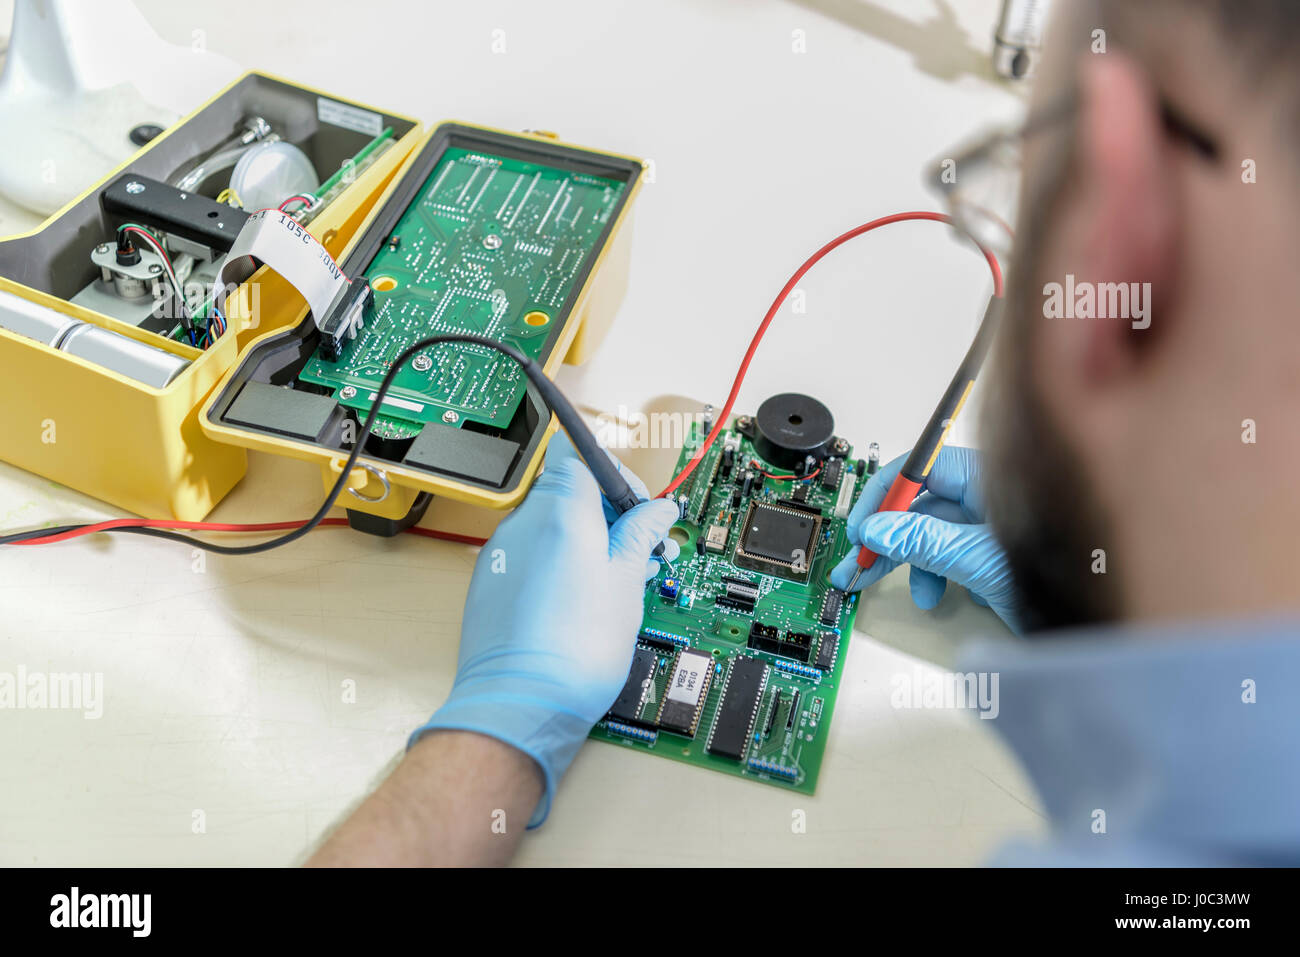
(911, 477)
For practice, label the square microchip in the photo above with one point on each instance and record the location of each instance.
(778, 540)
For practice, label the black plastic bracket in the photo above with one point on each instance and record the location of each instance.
(388, 527)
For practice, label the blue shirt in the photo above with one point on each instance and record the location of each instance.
(1177, 745)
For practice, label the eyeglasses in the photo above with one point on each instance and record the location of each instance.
(981, 184)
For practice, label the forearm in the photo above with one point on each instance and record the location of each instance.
(457, 798)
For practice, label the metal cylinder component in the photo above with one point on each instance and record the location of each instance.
(125, 356)
(33, 320)
(130, 279)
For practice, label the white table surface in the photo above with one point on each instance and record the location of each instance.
(223, 680)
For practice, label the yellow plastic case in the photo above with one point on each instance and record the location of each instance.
(382, 495)
(134, 446)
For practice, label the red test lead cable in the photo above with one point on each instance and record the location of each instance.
(811, 261)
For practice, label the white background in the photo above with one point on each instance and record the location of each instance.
(223, 684)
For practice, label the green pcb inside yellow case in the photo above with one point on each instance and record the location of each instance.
(515, 237)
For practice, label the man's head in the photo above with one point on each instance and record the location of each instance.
(1145, 460)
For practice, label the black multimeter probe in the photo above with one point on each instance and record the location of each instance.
(613, 485)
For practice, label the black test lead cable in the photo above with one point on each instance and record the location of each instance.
(612, 484)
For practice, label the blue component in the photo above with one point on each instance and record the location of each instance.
(684, 599)
(632, 732)
(668, 589)
(794, 668)
(771, 767)
(666, 636)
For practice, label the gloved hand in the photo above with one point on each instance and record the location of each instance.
(943, 537)
(552, 616)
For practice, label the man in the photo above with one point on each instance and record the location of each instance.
(1141, 475)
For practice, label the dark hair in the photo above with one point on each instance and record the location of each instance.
(1039, 499)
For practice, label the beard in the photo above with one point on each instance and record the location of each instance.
(1040, 505)
(1045, 516)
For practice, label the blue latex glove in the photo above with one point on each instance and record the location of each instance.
(552, 616)
(943, 537)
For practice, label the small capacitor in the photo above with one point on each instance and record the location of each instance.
(706, 420)
(728, 460)
(682, 504)
(873, 458)
(735, 498)
(748, 484)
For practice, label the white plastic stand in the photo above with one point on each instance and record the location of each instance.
(79, 75)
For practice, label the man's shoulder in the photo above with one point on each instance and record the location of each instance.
(1172, 742)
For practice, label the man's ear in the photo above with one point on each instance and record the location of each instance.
(1127, 220)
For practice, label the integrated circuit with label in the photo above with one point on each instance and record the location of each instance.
(684, 696)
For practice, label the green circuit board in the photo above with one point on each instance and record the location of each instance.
(491, 245)
(718, 682)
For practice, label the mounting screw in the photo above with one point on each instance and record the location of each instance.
(422, 363)
(450, 417)
(492, 241)
(103, 248)
(155, 269)
(134, 188)
(347, 392)
(142, 134)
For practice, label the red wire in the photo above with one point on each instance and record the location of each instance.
(152, 241)
(811, 261)
(224, 527)
(787, 478)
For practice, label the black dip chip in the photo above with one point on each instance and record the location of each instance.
(831, 606)
(778, 540)
(733, 721)
(826, 652)
(627, 707)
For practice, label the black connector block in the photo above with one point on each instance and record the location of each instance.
(191, 216)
